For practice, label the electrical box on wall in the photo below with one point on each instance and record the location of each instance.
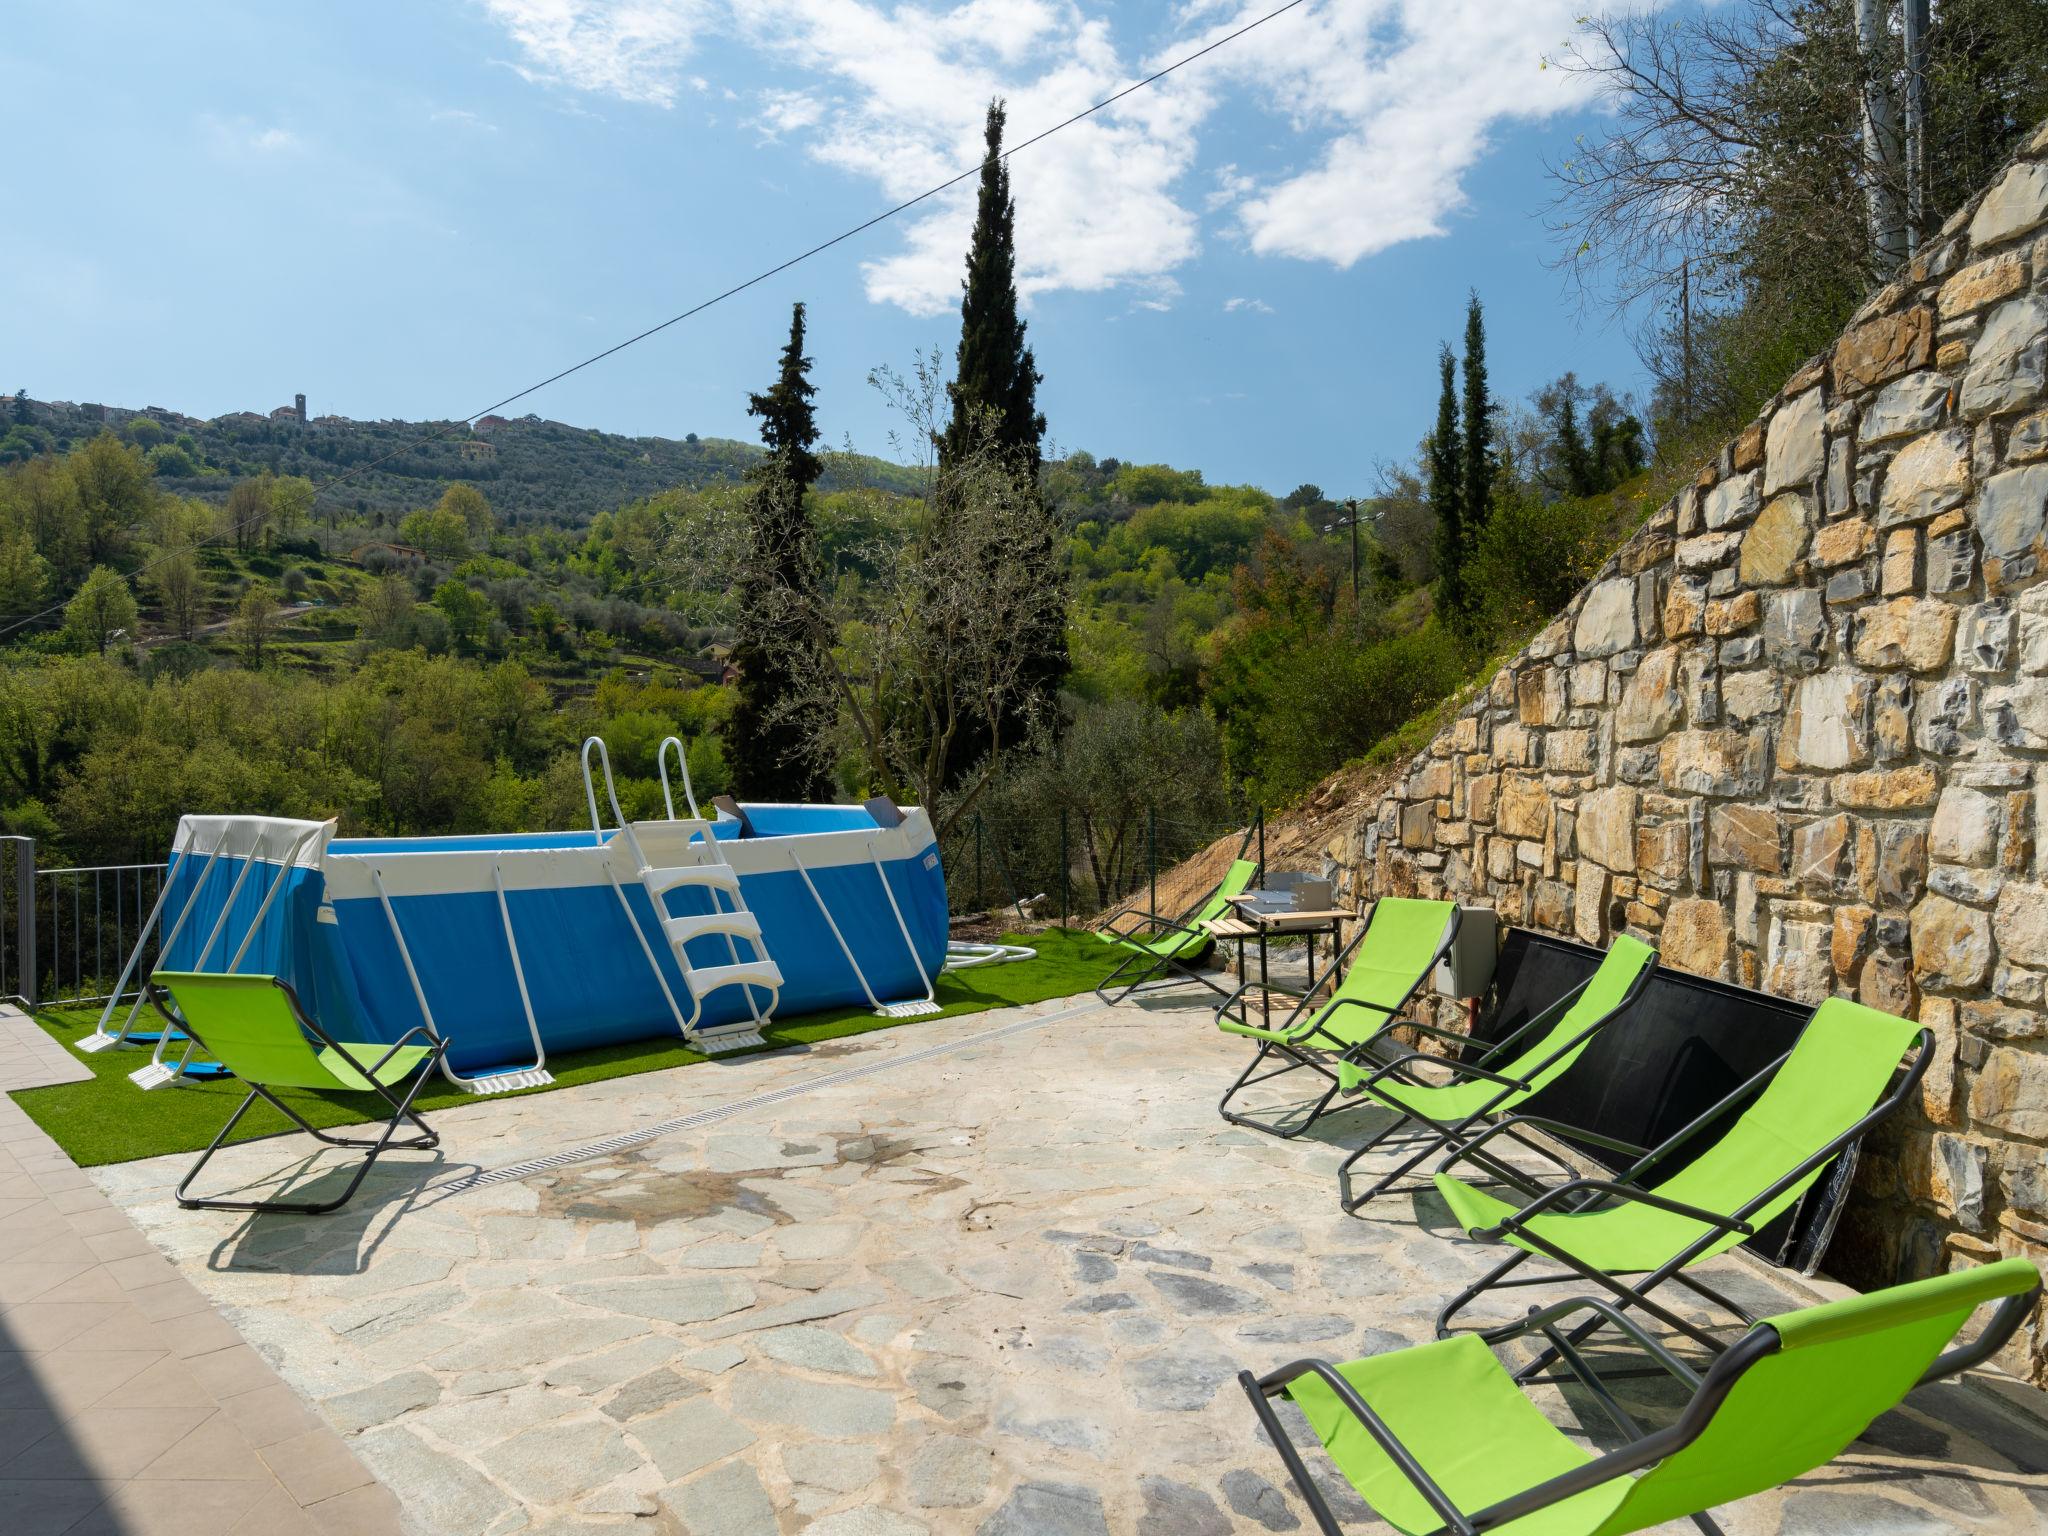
(1467, 970)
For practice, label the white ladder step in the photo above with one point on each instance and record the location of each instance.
(741, 925)
(738, 1037)
(709, 978)
(660, 882)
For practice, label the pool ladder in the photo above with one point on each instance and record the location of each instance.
(708, 871)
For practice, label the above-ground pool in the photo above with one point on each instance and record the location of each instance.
(520, 944)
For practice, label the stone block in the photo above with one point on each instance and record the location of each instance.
(2028, 439)
(1748, 696)
(1651, 701)
(1731, 503)
(1951, 944)
(1945, 714)
(1983, 282)
(2014, 205)
(1722, 763)
(1841, 542)
(1749, 446)
(1663, 852)
(1775, 541)
(2021, 923)
(1951, 561)
(2008, 360)
(1821, 852)
(1965, 827)
(1707, 550)
(1695, 937)
(1882, 348)
(2017, 715)
(1523, 809)
(1984, 636)
(1731, 615)
(1797, 959)
(1795, 450)
(1828, 724)
(1901, 863)
(1910, 632)
(1540, 695)
(1927, 477)
(1891, 719)
(1745, 837)
(1887, 789)
(1552, 909)
(2010, 1092)
(1899, 572)
(1904, 408)
(2012, 518)
(1838, 493)
(1607, 619)
(1607, 828)
(1589, 904)
(1850, 940)
(1795, 629)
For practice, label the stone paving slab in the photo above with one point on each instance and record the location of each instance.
(128, 1406)
(1002, 1291)
(31, 1057)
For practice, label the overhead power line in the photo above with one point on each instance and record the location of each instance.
(719, 298)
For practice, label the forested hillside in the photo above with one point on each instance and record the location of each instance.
(532, 469)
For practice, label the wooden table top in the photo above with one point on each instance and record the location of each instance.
(1255, 919)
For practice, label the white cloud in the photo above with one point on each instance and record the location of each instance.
(1413, 90)
(1390, 102)
(631, 49)
(241, 138)
(462, 117)
(1247, 306)
(787, 112)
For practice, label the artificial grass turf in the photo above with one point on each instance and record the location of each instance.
(109, 1120)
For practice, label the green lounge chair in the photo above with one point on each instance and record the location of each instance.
(1172, 944)
(1439, 1438)
(1496, 1082)
(256, 1028)
(1389, 960)
(1842, 1076)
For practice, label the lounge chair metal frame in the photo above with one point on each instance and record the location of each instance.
(1458, 1135)
(1582, 1194)
(1153, 967)
(1643, 1450)
(1301, 1051)
(400, 1106)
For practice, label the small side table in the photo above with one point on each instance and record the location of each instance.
(1249, 921)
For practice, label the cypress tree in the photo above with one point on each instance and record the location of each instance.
(995, 373)
(993, 369)
(778, 730)
(1577, 465)
(1477, 428)
(1447, 495)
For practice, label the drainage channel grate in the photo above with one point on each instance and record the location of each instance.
(740, 1106)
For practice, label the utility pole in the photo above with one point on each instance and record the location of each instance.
(1350, 520)
(1881, 149)
(1916, 24)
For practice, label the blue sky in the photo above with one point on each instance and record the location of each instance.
(410, 210)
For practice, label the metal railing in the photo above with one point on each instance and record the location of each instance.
(1048, 864)
(65, 933)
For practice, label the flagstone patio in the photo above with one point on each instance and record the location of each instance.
(1002, 1288)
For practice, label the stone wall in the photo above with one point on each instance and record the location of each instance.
(1796, 732)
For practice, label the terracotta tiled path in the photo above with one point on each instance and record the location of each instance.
(128, 1406)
